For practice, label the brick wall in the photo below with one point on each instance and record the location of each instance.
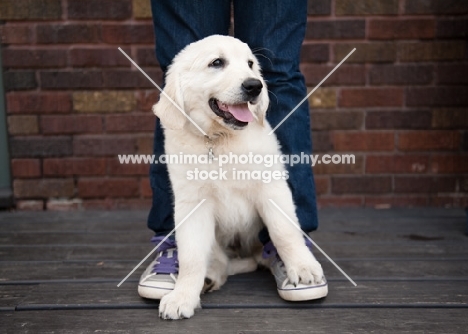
(399, 103)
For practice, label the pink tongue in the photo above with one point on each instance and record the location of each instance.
(241, 112)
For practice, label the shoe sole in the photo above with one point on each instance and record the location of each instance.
(307, 293)
(152, 292)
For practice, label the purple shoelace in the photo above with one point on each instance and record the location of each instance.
(167, 260)
(269, 249)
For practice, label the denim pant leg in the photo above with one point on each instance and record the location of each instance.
(275, 30)
(177, 24)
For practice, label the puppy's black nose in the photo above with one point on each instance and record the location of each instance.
(252, 87)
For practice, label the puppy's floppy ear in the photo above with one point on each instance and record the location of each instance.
(262, 105)
(171, 117)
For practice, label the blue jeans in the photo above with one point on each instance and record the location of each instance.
(274, 30)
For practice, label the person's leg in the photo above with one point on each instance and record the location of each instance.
(274, 30)
(177, 24)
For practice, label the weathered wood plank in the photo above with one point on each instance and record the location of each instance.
(10, 296)
(387, 269)
(248, 321)
(137, 251)
(259, 289)
(143, 235)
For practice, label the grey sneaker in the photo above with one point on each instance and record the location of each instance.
(286, 289)
(160, 276)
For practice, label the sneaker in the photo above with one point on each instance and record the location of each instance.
(286, 289)
(160, 276)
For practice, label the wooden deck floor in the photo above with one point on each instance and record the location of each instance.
(59, 271)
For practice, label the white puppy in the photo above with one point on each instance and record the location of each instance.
(218, 83)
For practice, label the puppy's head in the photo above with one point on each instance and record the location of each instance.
(216, 79)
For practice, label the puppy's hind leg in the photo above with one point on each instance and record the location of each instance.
(242, 265)
(217, 272)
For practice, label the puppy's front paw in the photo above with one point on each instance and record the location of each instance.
(305, 269)
(178, 305)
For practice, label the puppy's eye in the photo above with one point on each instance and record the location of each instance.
(217, 63)
(250, 63)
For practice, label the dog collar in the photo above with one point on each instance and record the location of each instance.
(209, 145)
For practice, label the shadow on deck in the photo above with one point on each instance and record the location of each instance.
(59, 271)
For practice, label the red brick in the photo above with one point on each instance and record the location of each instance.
(363, 141)
(366, 7)
(131, 78)
(449, 164)
(71, 79)
(113, 188)
(463, 183)
(321, 141)
(342, 168)
(39, 102)
(396, 164)
(30, 205)
(146, 99)
(375, 52)
(147, 192)
(15, 34)
(74, 166)
(22, 125)
(102, 9)
(130, 123)
(102, 57)
(105, 145)
(19, 80)
(30, 10)
(424, 184)
(43, 188)
(401, 74)
(361, 184)
(64, 205)
(71, 124)
(315, 53)
(25, 168)
(401, 29)
(37, 58)
(146, 56)
(395, 201)
(371, 97)
(128, 33)
(437, 7)
(40, 147)
(68, 33)
(452, 74)
(452, 28)
(335, 29)
(422, 51)
(346, 75)
(116, 168)
(450, 118)
(398, 119)
(117, 204)
(326, 120)
(319, 7)
(339, 201)
(145, 144)
(437, 96)
(429, 140)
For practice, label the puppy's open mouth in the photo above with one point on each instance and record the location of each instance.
(238, 115)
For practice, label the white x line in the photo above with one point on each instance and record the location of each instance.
(162, 92)
(155, 248)
(313, 242)
(305, 98)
